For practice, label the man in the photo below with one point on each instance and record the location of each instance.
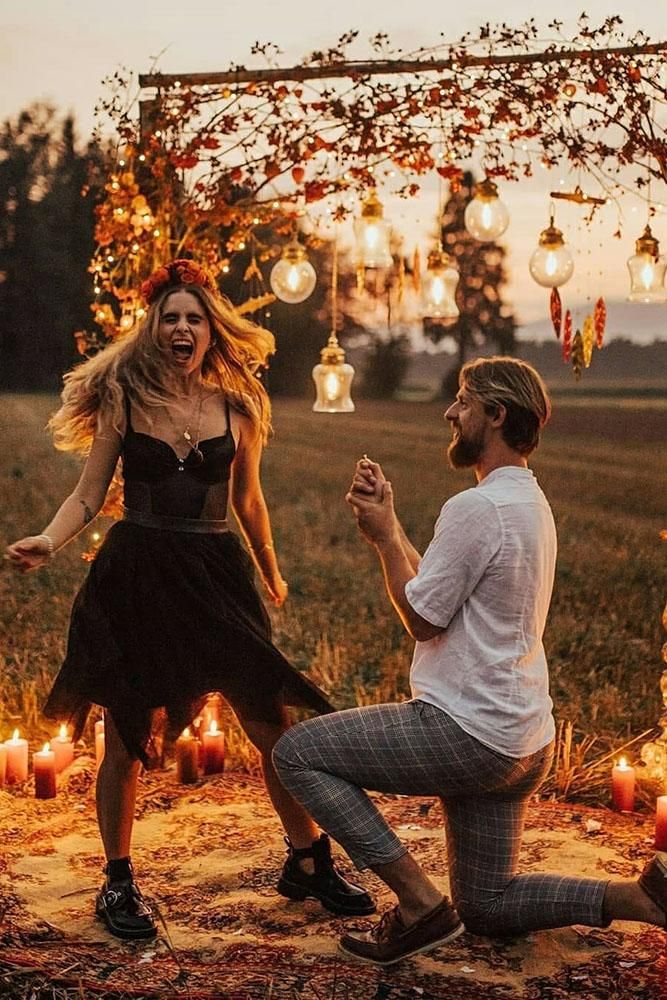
(479, 730)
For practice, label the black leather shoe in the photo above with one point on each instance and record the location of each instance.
(326, 884)
(124, 910)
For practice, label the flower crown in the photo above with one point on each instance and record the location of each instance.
(178, 272)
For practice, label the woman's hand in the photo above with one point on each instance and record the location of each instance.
(277, 590)
(29, 553)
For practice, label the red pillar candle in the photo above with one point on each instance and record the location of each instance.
(209, 714)
(213, 747)
(44, 768)
(63, 748)
(187, 758)
(17, 759)
(3, 764)
(661, 824)
(623, 786)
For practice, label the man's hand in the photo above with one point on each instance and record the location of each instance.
(368, 479)
(372, 502)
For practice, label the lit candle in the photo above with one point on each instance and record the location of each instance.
(17, 759)
(661, 823)
(209, 714)
(44, 768)
(213, 747)
(99, 741)
(187, 757)
(3, 764)
(63, 748)
(623, 786)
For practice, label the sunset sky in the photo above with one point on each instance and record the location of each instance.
(60, 50)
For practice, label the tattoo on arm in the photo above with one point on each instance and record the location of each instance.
(87, 512)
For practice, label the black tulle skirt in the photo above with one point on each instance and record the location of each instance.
(162, 619)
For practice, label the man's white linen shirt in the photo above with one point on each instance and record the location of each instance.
(486, 579)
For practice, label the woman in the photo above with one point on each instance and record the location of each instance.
(169, 611)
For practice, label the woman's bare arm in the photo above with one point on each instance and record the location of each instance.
(250, 507)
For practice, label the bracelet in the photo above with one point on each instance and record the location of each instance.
(49, 544)
(267, 545)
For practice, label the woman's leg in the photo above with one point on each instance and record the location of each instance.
(119, 903)
(115, 793)
(309, 871)
(299, 826)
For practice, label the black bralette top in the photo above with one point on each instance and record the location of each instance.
(157, 481)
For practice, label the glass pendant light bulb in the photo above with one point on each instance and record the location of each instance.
(647, 270)
(486, 217)
(333, 380)
(372, 234)
(293, 278)
(552, 264)
(438, 299)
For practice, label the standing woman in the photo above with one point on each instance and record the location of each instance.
(169, 611)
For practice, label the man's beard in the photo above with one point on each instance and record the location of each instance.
(463, 453)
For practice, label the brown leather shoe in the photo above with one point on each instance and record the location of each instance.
(653, 881)
(390, 940)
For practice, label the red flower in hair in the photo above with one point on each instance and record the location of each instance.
(178, 272)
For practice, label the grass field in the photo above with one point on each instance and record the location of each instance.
(604, 469)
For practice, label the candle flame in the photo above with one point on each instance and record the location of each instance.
(63, 732)
(213, 728)
(186, 733)
(622, 762)
(46, 748)
(16, 734)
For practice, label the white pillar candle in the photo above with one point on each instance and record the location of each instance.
(63, 748)
(17, 759)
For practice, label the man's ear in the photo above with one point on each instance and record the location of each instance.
(499, 415)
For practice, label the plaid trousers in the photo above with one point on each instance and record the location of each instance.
(414, 748)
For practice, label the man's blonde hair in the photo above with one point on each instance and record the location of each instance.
(516, 386)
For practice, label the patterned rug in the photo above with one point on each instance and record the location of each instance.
(208, 856)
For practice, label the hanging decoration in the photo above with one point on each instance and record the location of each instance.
(600, 320)
(293, 278)
(588, 340)
(647, 270)
(577, 354)
(556, 311)
(372, 234)
(567, 337)
(438, 294)
(551, 265)
(486, 217)
(333, 376)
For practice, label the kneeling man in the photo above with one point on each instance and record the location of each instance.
(479, 730)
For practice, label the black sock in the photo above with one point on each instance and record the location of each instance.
(119, 870)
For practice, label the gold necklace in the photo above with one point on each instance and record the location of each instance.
(187, 434)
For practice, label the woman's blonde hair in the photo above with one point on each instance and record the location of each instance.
(133, 367)
(518, 387)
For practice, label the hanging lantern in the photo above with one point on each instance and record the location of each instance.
(486, 217)
(551, 265)
(372, 234)
(333, 380)
(333, 377)
(439, 286)
(647, 270)
(293, 277)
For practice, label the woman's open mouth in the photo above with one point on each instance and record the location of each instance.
(182, 349)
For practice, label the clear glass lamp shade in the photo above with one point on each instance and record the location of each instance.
(333, 381)
(438, 294)
(647, 278)
(486, 219)
(293, 281)
(372, 236)
(551, 266)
